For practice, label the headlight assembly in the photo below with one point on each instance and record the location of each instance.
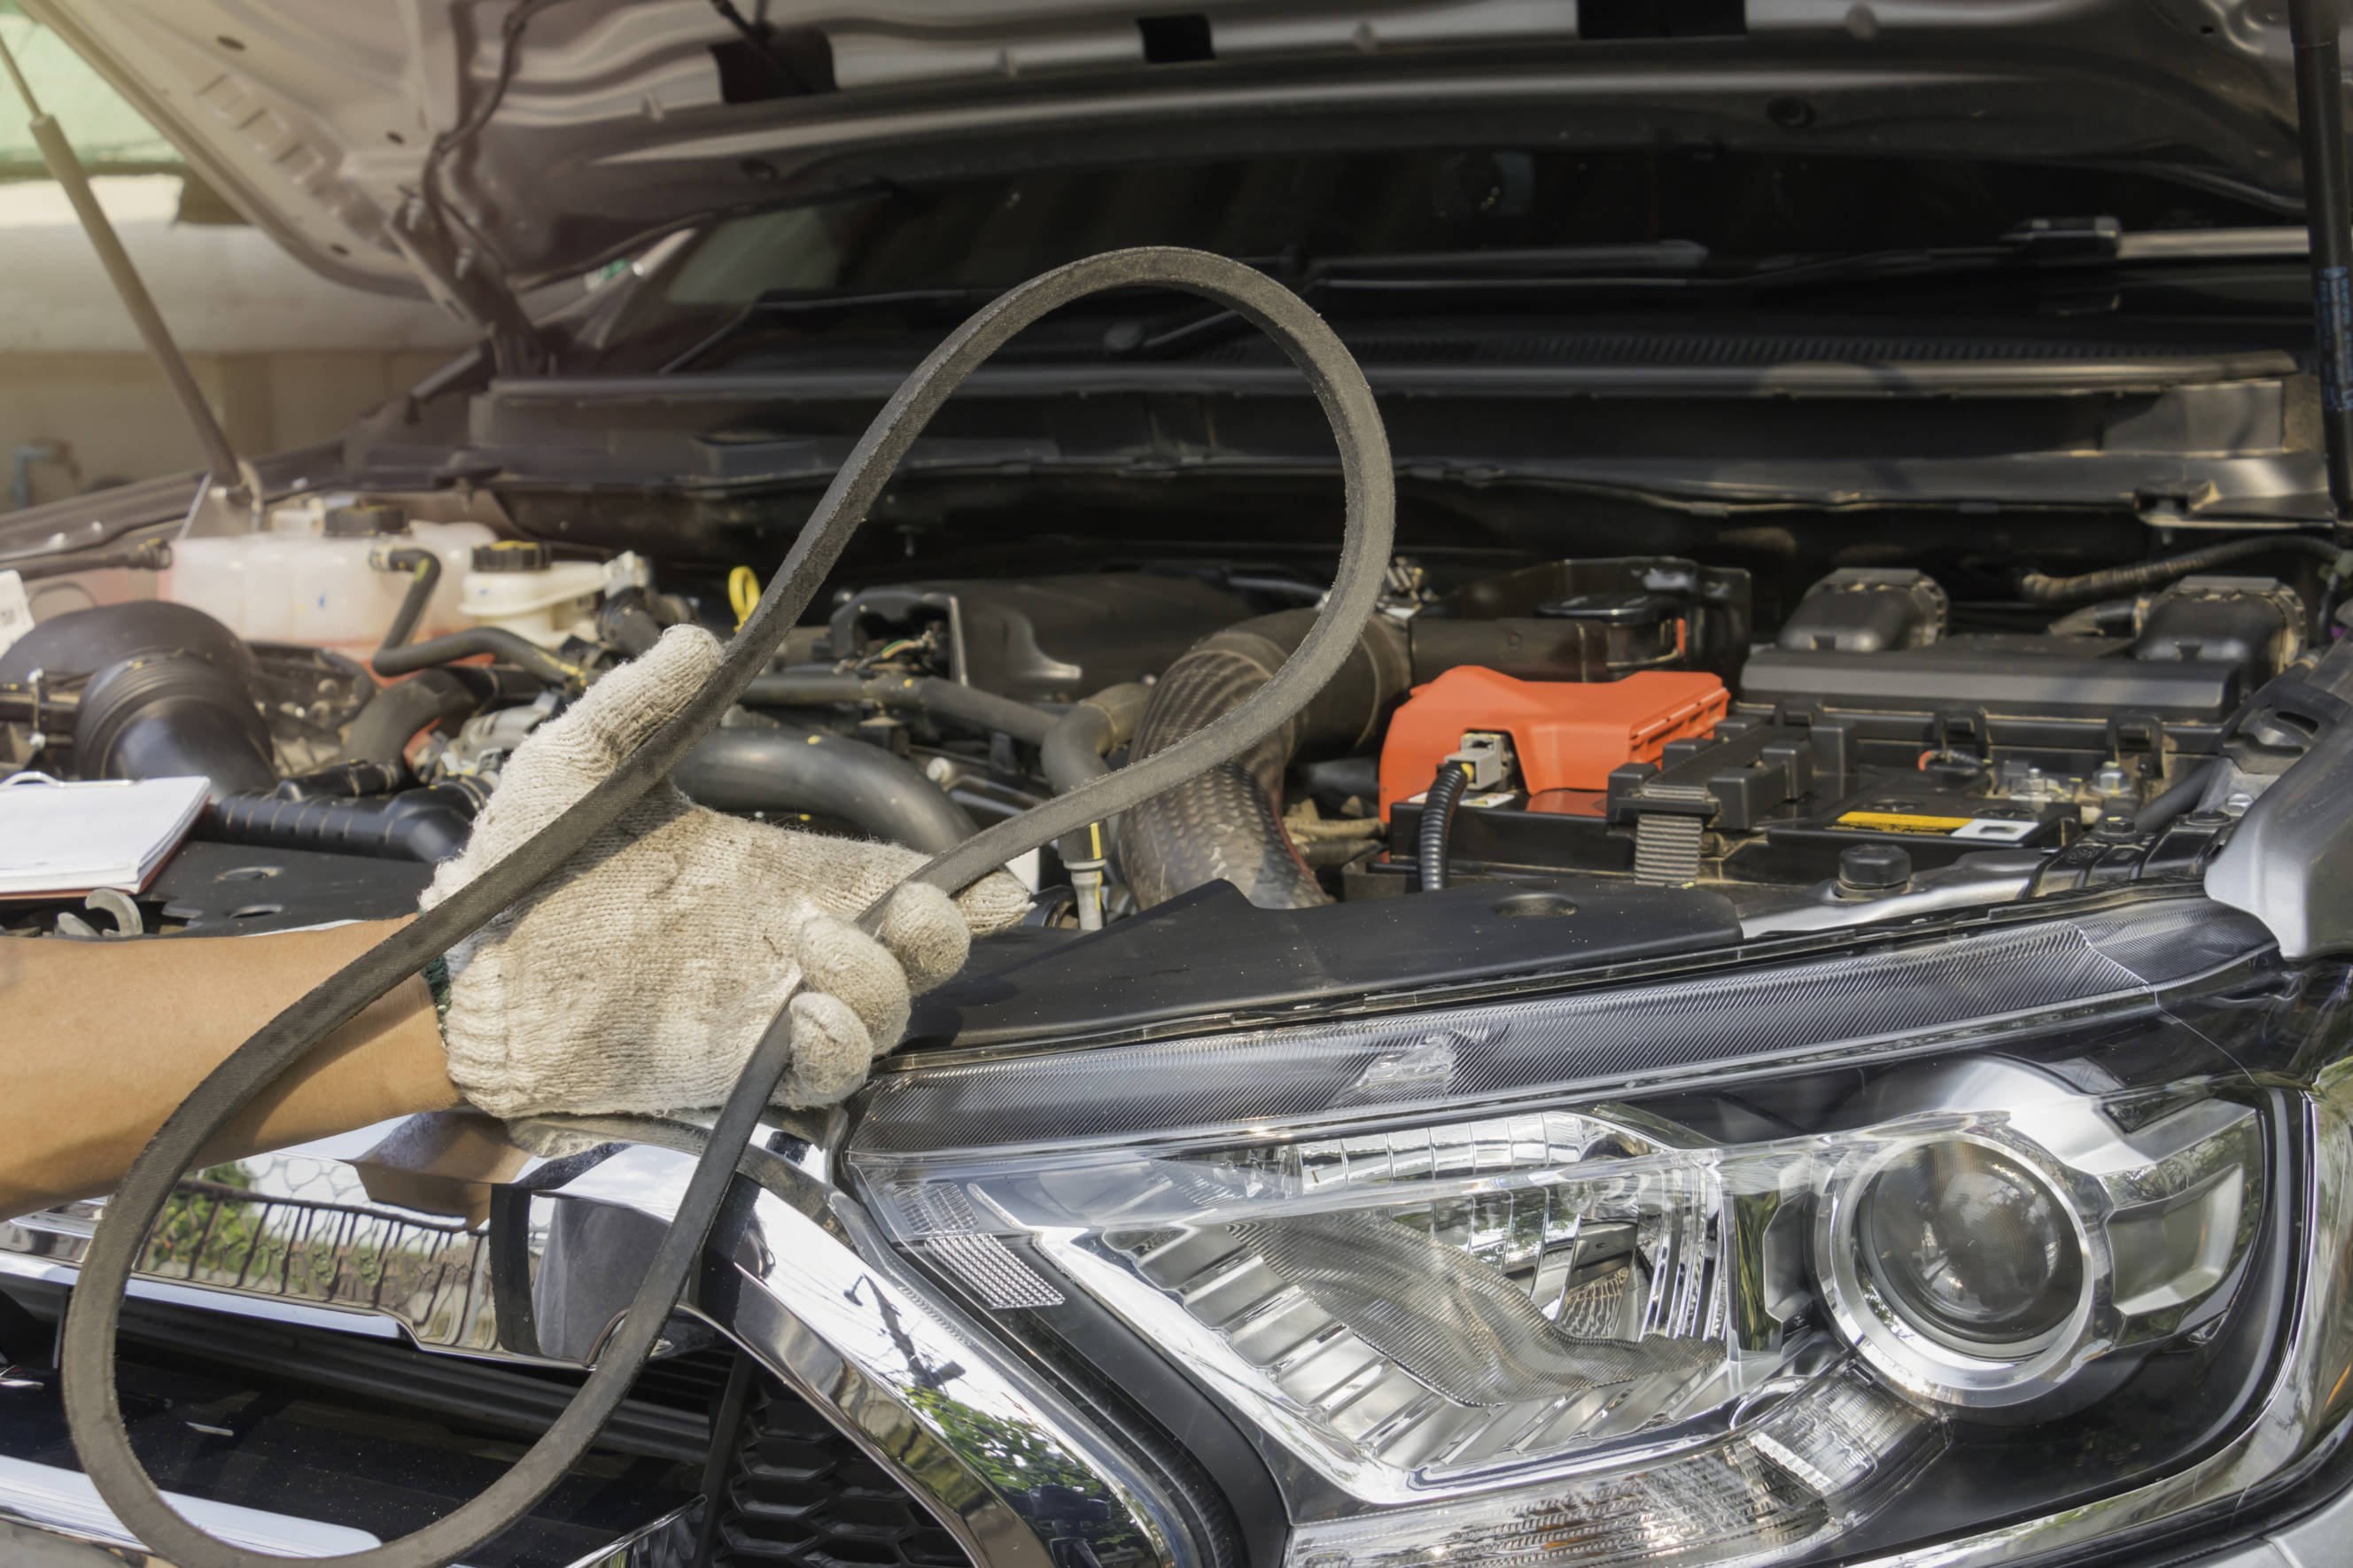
(1419, 1307)
(1732, 1319)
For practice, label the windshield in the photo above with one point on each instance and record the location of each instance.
(1702, 210)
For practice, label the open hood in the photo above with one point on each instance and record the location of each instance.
(621, 120)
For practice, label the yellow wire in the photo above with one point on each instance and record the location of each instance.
(742, 593)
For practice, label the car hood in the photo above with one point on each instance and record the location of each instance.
(623, 120)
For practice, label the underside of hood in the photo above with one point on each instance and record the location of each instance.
(474, 149)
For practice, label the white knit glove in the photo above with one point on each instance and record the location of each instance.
(640, 976)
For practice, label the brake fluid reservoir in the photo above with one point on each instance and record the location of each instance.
(306, 579)
(518, 586)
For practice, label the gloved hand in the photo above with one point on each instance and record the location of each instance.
(640, 976)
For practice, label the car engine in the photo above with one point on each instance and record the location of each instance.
(1873, 743)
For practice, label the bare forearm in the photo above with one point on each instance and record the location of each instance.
(104, 1038)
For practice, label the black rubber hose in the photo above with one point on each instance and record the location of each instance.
(345, 780)
(497, 641)
(146, 556)
(382, 731)
(423, 824)
(2178, 798)
(2040, 589)
(940, 699)
(1226, 824)
(627, 621)
(93, 1409)
(816, 770)
(1438, 824)
(425, 573)
(1074, 750)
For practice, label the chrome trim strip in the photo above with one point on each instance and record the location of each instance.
(664, 1542)
(814, 1292)
(63, 1503)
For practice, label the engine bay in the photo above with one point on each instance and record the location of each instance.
(350, 679)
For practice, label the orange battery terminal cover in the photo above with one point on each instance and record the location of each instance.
(1568, 735)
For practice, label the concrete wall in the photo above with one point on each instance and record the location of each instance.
(284, 357)
(119, 422)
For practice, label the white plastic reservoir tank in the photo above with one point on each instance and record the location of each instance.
(306, 578)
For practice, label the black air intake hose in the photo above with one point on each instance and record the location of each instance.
(172, 716)
(426, 825)
(1227, 824)
(166, 692)
(816, 770)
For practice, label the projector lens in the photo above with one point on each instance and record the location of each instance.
(1972, 1249)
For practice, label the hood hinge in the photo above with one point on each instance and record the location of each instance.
(467, 284)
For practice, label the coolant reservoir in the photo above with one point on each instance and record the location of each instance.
(306, 578)
(518, 586)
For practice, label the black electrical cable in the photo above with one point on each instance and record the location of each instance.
(2037, 588)
(433, 179)
(756, 34)
(1438, 824)
(92, 1408)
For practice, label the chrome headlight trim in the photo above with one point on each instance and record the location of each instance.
(2127, 1196)
(1913, 1356)
(812, 1291)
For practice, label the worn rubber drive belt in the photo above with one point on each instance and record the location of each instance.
(91, 1408)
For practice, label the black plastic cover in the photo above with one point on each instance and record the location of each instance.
(1211, 952)
(231, 889)
(2000, 675)
(1865, 609)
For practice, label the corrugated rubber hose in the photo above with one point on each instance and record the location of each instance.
(1226, 823)
(91, 1406)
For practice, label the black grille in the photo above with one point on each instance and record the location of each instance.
(800, 1492)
